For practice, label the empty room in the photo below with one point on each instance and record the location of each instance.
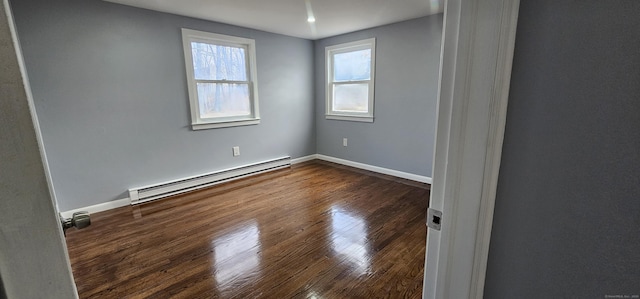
(238, 149)
(307, 149)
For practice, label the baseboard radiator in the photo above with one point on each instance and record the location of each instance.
(163, 190)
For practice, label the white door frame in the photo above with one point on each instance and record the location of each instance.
(34, 261)
(475, 71)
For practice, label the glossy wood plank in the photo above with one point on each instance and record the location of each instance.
(317, 230)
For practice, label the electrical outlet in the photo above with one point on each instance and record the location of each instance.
(344, 141)
(236, 151)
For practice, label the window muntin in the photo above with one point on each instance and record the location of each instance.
(350, 81)
(222, 82)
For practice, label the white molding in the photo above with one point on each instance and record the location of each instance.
(225, 124)
(476, 57)
(13, 281)
(497, 123)
(101, 207)
(396, 173)
(364, 119)
(304, 159)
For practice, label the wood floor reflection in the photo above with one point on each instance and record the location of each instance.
(317, 230)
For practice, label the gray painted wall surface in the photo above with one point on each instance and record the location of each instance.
(33, 257)
(567, 215)
(110, 90)
(407, 69)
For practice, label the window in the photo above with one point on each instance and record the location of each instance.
(221, 74)
(350, 80)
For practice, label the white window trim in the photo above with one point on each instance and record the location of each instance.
(198, 123)
(342, 48)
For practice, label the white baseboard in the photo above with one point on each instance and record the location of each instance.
(304, 159)
(414, 177)
(396, 173)
(99, 207)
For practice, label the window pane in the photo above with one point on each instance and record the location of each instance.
(351, 97)
(352, 66)
(213, 62)
(223, 100)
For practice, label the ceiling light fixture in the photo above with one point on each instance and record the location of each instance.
(311, 18)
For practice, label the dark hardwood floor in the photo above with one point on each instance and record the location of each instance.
(317, 230)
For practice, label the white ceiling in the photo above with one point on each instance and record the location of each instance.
(289, 17)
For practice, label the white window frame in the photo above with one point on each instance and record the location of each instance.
(330, 52)
(198, 123)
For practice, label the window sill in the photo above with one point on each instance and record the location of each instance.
(366, 119)
(227, 124)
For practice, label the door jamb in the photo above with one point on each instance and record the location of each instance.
(64, 284)
(475, 71)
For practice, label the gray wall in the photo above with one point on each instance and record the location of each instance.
(407, 69)
(567, 215)
(33, 257)
(110, 90)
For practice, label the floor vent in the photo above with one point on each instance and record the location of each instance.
(158, 191)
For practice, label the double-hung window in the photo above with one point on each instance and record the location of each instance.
(350, 80)
(221, 74)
